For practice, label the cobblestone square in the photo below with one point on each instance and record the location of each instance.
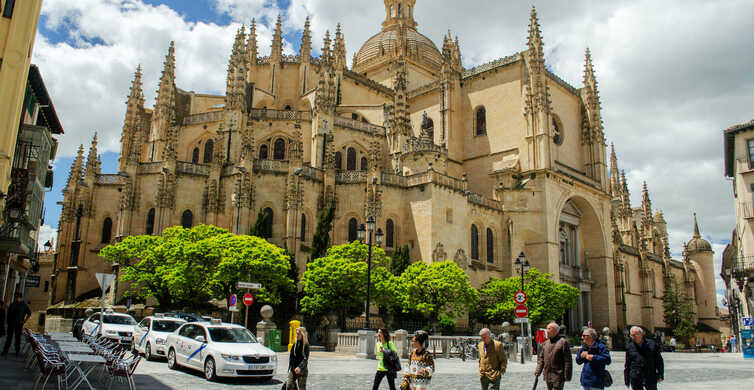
(331, 371)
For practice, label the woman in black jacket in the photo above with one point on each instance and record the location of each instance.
(297, 361)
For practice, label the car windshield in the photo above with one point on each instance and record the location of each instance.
(165, 326)
(231, 335)
(119, 320)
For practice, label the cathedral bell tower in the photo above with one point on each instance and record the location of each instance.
(399, 12)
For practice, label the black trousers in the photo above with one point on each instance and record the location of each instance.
(13, 329)
(378, 379)
(638, 384)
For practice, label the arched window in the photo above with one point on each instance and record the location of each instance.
(364, 164)
(287, 107)
(351, 159)
(263, 152)
(303, 228)
(187, 219)
(389, 234)
(391, 11)
(338, 160)
(209, 148)
(490, 246)
(278, 151)
(400, 14)
(352, 227)
(474, 243)
(150, 221)
(268, 223)
(107, 230)
(195, 156)
(481, 121)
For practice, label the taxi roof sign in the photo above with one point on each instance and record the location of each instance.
(216, 321)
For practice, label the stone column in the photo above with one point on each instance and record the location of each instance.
(400, 339)
(266, 324)
(367, 340)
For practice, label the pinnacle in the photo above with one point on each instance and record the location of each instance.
(696, 228)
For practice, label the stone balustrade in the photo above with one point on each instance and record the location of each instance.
(289, 115)
(279, 166)
(149, 167)
(191, 168)
(108, 179)
(350, 177)
(359, 126)
(214, 116)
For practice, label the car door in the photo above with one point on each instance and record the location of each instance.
(90, 326)
(140, 334)
(197, 351)
(184, 336)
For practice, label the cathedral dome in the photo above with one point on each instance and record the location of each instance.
(386, 44)
(698, 244)
(398, 37)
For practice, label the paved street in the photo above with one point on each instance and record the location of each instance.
(343, 372)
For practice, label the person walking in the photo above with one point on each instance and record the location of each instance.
(18, 312)
(2, 318)
(672, 344)
(492, 361)
(644, 366)
(298, 361)
(421, 366)
(384, 344)
(555, 361)
(594, 355)
(733, 344)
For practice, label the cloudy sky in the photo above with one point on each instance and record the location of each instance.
(672, 74)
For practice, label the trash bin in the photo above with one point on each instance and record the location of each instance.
(274, 337)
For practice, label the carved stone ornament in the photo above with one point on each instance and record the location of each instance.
(439, 254)
(461, 259)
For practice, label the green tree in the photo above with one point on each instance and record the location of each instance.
(400, 261)
(321, 238)
(436, 289)
(260, 225)
(547, 301)
(139, 266)
(678, 310)
(248, 258)
(337, 282)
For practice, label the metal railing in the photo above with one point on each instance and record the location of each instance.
(743, 266)
(269, 114)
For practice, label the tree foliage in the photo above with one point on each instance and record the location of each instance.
(187, 267)
(321, 238)
(547, 299)
(260, 225)
(400, 260)
(436, 289)
(678, 310)
(337, 282)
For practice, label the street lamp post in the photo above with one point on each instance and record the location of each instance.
(522, 266)
(362, 232)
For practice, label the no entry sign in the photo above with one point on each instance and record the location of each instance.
(521, 311)
(248, 299)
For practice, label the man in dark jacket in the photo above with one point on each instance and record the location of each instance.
(644, 366)
(18, 312)
(554, 360)
(594, 355)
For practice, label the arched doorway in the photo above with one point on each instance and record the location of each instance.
(583, 264)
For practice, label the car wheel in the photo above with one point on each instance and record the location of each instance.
(172, 363)
(209, 369)
(148, 352)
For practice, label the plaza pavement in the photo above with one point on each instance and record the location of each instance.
(331, 371)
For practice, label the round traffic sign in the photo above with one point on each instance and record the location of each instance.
(248, 299)
(520, 297)
(521, 311)
(232, 300)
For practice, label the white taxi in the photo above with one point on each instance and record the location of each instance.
(150, 335)
(118, 327)
(220, 349)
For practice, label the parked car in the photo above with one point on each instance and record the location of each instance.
(188, 317)
(150, 335)
(116, 326)
(220, 350)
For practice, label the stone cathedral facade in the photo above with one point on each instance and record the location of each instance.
(470, 165)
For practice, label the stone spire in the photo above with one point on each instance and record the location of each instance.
(92, 166)
(536, 52)
(129, 140)
(401, 119)
(696, 228)
(251, 43)
(76, 168)
(451, 52)
(339, 50)
(625, 194)
(326, 48)
(537, 105)
(164, 108)
(614, 174)
(591, 98)
(306, 42)
(235, 90)
(276, 54)
(646, 204)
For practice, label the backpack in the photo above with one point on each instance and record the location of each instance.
(390, 360)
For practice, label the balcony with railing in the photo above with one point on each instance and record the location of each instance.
(350, 177)
(743, 267)
(191, 168)
(275, 166)
(149, 167)
(205, 117)
(108, 179)
(286, 115)
(359, 126)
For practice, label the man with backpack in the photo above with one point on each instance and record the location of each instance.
(492, 361)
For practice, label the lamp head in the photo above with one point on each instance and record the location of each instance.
(370, 223)
(361, 232)
(378, 236)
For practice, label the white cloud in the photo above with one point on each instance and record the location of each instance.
(47, 233)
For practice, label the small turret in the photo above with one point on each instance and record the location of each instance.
(251, 43)
(697, 243)
(129, 138)
(92, 162)
(276, 54)
(77, 168)
(326, 48)
(235, 90)
(306, 42)
(339, 50)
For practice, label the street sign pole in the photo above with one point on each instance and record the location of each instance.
(248, 286)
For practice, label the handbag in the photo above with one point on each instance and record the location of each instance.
(404, 385)
(391, 360)
(608, 379)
